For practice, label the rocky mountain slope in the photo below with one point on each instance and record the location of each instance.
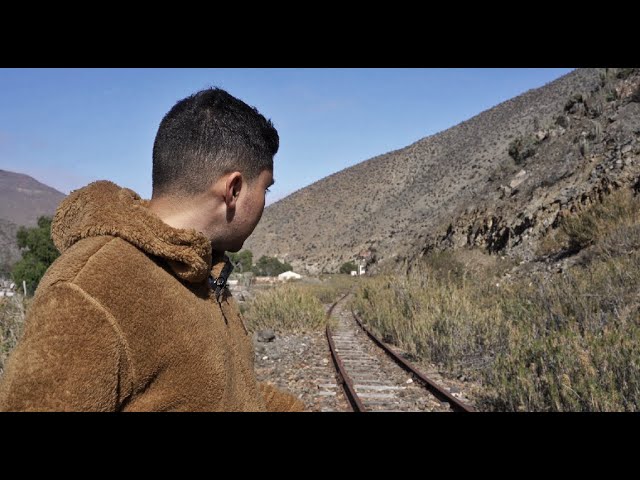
(496, 181)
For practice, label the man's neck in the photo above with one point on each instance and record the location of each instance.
(174, 213)
(181, 214)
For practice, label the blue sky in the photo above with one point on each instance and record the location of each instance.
(69, 127)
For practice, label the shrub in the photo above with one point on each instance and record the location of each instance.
(522, 148)
(270, 267)
(623, 73)
(38, 254)
(348, 267)
(635, 96)
(610, 225)
(574, 100)
(242, 260)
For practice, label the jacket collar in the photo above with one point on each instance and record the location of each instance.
(104, 208)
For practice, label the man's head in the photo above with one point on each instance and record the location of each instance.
(212, 163)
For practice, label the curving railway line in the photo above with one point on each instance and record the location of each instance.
(374, 378)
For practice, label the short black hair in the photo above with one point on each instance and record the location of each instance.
(207, 135)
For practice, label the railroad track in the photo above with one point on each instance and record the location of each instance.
(376, 379)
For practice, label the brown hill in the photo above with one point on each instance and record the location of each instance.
(22, 200)
(497, 180)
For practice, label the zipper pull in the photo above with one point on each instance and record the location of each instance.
(220, 283)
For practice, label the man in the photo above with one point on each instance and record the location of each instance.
(134, 316)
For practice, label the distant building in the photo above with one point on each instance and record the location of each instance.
(364, 259)
(289, 276)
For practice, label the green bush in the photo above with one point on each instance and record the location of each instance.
(270, 267)
(576, 98)
(522, 148)
(242, 260)
(348, 267)
(39, 253)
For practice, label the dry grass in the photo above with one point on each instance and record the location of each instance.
(287, 308)
(297, 306)
(331, 286)
(573, 342)
(566, 343)
(605, 225)
(435, 316)
(12, 315)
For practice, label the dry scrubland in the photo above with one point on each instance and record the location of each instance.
(565, 342)
(537, 341)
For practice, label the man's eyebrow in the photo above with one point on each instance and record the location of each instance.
(272, 182)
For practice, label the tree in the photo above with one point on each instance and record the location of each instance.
(242, 260)
(270, 267)
(348, 267)
(38, 254)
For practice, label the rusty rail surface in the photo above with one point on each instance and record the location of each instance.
(430, 385)
(343, 378)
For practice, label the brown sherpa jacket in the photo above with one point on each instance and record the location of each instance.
(125, 320)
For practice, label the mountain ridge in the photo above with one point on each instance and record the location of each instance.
(402, 202)
(24, 199)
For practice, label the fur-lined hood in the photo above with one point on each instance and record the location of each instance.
(104, 208)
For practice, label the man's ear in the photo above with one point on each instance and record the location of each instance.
(233, 185)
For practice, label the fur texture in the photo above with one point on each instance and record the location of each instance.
(124, 320)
